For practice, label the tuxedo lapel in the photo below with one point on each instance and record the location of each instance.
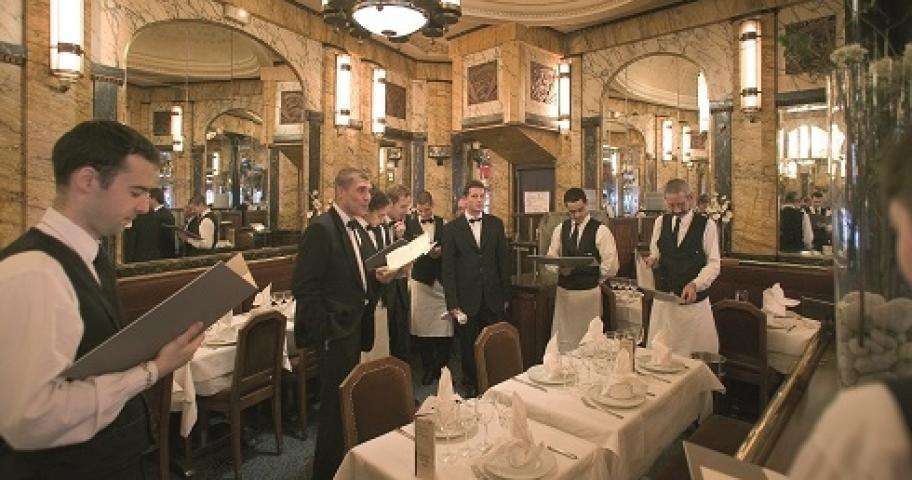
(485, 230)
(347, 246)
(467, 233)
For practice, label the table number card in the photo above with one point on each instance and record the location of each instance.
(424, 446)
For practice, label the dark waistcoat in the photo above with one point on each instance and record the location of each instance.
(194, 227)
(128, 436)
(791, 221)
(680, 264)
(582, 278)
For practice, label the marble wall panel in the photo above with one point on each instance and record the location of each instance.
(501, 186)
(485, 108)
(11, 22)
(438, 178)
(417, 113)
(397, 100)
(292, 203)
(799, 13)
(12, 219)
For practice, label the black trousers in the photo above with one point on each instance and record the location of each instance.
(398, 305)
(467, 334)
(340, 357)
(434, 351)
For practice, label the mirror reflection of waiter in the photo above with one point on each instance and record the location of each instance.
(202, 222)
(152, 238)
(795, 231)
(820, 217)
(684, 251)
(579, 298)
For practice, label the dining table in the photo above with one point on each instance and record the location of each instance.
(787, 338)
(632, 438)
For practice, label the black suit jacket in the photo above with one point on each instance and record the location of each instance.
(471, 272)
(166, 248)
(326, 283)
(150, 238)
(426, 269)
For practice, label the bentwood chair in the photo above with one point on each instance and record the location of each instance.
(498, 355)
(742, 341)
(256, 379)
(376, 397)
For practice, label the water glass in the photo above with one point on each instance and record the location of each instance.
(486, 409)
(447, 422)
(466, 414)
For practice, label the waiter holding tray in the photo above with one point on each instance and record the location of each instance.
(684, 252)
(578, 298)
(59, 293)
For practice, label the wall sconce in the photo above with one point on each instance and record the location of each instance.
(343, 90)
(686, 153)
(703, 101)
(667, 140)
(66, 41)
(439, 153)
(177, 125)
(393, 155)
(750, 67)
(378, 124)
(563, 96)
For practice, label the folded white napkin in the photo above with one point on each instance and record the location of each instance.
(661, 354)
(594, 332)
(775, 302)
(522, 448)
(264, 298)
(445, 397)
(554, 366)
(623, 383)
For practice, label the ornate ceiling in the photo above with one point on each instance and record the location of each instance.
(642, 81)
(562, 15)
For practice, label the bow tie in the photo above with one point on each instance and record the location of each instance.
(353, 224)
(473, 220)
(430, 220)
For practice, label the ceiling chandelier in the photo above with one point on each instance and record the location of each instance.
(393, 19)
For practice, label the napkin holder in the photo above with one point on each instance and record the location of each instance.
(425, 466)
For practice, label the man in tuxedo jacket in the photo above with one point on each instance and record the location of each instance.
(476, 277)
(396, 295)
(332, 290)
(152, 239)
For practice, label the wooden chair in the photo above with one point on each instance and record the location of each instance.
(722, 434)
(158, 398)
(304, 366)
(648, 299)
(257, 378)
(376, 397)
(609, 310)
(742, 341)
(498, 355)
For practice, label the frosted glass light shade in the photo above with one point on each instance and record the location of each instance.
(390, 18)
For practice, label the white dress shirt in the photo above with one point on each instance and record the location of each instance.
(428, 227)
(604, 242)
(475, 227)
(40, 331)
(355, 241)
(861, 435)
(713, 265)
(807, 230)
(206, 233)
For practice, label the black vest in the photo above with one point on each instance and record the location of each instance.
(901, 388)
(128, 436)
(582, 278)
(791, 224)
(680, 264)
(427, 270)
(819, 222)
(194, 227)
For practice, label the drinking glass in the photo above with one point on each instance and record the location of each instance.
(486, 409)
(635, 333)
(742, 295)
(466, 415)
(447, 422)
(613, 339)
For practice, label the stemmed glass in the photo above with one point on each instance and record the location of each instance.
(485, 410)
(447, 422)
(466, 412)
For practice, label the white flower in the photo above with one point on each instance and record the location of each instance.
(715, 217)
(853, 53)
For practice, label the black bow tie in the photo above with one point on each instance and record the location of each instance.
(473, 220)
(353, 224)
(430, 220)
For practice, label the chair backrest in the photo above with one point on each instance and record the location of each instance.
(498, 355)
(820, 310)
(376, 397)
(742, 332)
(258, 363)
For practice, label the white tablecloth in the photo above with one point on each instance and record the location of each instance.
(637, 440)
(785, 346)
(208, 373)
(391, 456)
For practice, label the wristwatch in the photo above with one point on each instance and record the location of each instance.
(151, 373)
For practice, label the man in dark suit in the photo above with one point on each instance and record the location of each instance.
(433, 334)
(396, 295)
(476, 277)
(152, 239)
(332, 290)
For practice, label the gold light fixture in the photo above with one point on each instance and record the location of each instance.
(667, 140)
(393, 19)
(750, 48)
(66, 41)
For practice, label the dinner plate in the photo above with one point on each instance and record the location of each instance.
(499, 464)
(538, 375)
(673, 367)
(595, 396)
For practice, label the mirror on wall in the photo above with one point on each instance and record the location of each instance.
(622, 155)
(213, 100)
(804, 146)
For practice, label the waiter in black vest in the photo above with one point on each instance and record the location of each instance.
(332, 289)
(476, 274)
(578, 298)
(684, 251)
(795, 230)
(203, 223)
(59, 295)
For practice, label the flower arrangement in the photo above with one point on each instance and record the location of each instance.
(317, 205)
(719, 209)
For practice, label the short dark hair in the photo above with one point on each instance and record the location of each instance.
(817, 194)
(703, 199)
(677, 185)
(574, 194)
(378, 200)
(158, 195)
(397, 192)
(101, 144)
(347, 175)
(424, 198)
(896, 170)
(791, 197)
(470, 185)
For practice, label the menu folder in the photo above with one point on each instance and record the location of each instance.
(706, 464)
(205, 299)
(378, 259)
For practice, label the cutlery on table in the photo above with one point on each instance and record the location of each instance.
(530, 384)
(650, 375)
(571, 456)
(602, 409)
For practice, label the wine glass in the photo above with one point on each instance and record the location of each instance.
(485, 409)
(466, 414)
(447, 422)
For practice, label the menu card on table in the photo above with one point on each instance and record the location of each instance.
(205, 299)
(425, 467)
(706, 464)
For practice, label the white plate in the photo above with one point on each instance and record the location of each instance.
(499, 465)
(595, 396)
(673, 367)
(538, 375)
